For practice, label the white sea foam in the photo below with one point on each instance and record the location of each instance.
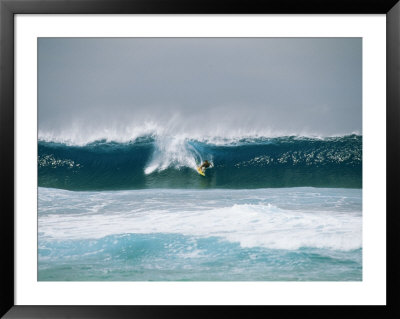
(228, 215)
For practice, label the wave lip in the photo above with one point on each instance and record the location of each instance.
(81, 135)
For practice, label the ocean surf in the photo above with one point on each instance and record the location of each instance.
(270, 234)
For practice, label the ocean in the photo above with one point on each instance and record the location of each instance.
(269, 209)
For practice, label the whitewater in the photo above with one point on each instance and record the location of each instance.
(170, 234)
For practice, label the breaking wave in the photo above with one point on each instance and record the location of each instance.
(170, 161)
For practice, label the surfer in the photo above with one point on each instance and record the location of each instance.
(205, 165)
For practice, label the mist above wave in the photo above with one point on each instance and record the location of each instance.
(175, 129)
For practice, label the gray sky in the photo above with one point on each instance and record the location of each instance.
(197, 86)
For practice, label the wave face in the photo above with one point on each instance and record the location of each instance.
(170, 162)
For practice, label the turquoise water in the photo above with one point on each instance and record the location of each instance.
(159, 234)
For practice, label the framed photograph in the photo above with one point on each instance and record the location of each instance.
(163, 158)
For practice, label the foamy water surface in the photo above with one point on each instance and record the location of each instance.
(290, 221)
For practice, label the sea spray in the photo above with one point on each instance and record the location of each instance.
(172, 152)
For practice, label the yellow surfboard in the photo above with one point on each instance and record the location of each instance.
(200, 171)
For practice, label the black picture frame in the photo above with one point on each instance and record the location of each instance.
(8, 8)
